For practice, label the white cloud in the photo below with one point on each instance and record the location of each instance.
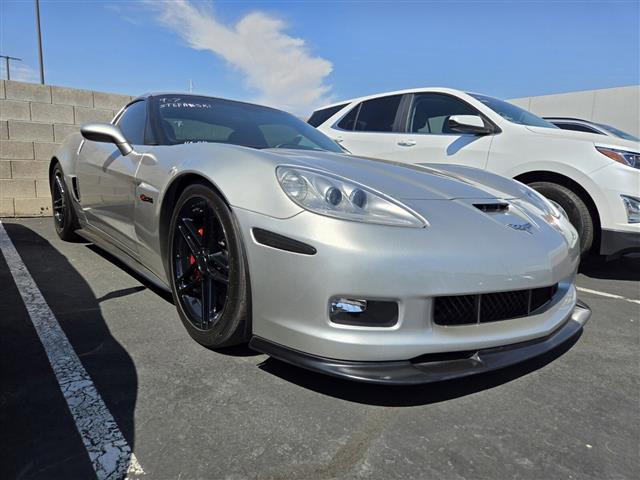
(278, 66)
(20, 71)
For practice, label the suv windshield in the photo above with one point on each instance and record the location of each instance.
(512, 113)
(192, 119)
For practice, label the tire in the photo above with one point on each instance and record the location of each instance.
(576, 209)
(65, 220)
(205, 251)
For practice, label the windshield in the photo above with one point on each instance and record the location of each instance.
(512, 113)
(619, 133)
(194, 119)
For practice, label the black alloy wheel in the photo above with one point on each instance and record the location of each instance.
(208, 270)
(64, 217)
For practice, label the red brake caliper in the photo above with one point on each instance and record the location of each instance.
(192, 259)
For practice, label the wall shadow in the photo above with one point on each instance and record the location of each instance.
(408, 396)
(39, 438)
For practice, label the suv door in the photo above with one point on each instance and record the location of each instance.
(107, 183)
(428, 139)
(370, 128)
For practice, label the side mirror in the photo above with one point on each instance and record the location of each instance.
(106, 133)
(468, 124)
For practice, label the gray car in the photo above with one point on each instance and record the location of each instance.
(267, 232)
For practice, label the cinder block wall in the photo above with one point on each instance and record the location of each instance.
(34, 120)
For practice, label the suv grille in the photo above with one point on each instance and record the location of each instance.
(490, 307)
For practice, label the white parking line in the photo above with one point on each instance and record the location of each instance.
(108, 450)
(609, 295)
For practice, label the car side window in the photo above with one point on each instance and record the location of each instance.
(577, 128)
(429, 113)
(321, 116)
(375, 115)
(132, 122)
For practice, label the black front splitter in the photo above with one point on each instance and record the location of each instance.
(422, 370)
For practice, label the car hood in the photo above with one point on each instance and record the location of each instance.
(407, 181)
(601, 140)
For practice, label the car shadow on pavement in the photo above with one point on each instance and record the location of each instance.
(626, 267)
(40, 438)
(407, 396)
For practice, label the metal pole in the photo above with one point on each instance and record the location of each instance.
(39, 41)
(7, 60)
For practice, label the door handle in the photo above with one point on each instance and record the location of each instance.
(407, 143)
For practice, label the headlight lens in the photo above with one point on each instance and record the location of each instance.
(631, 159)
(632, 206)
(546, 206)
(333, 196)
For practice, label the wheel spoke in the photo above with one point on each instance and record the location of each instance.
(208, 300)
(189, 234)
(220, 261)
(187, 273)
(217, 276)
(187, 288)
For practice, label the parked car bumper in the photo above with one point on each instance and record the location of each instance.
(432, 368)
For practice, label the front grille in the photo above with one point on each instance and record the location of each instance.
(490, 307)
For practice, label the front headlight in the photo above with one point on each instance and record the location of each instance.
(631, 159)
(326, 194)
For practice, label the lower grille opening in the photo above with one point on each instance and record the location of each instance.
(490, 307)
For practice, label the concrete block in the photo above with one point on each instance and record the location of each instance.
(618, 107)
(19, 130)
(575, 104)
(20, 188)
(61, 131)
(4, 130)
(49, 113)
(42, 189)
(2, 90)
(111, 101)
(7, 208)
(29, 169)
(86, 115)
(45, 150)
(28, 92)
(72, 96)
(10, 110)
(5, 169)
(16, 150)
(32, 207)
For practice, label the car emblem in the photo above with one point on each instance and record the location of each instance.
(522, 227)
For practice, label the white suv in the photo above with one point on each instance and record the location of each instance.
(596, 179)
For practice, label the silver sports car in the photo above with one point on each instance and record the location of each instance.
(267, 231)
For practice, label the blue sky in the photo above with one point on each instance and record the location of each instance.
(298, 55)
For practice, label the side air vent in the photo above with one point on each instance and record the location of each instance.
(492, 207)
(75, 188)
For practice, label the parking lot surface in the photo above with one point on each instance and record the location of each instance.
(189, 413)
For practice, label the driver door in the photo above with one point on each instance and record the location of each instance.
(107, 180)
(427, 138)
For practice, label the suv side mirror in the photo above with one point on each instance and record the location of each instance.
(468, 124)
(106, 133)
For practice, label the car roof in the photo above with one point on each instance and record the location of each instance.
(452, 91)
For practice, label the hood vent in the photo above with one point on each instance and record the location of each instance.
(492, 207)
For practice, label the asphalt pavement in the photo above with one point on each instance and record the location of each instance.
(192, 413)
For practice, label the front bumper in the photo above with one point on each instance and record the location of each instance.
(613, 242)
(431, 368)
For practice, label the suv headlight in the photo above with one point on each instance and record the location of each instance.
(329, 195)
(632, 206)
(631, 159)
